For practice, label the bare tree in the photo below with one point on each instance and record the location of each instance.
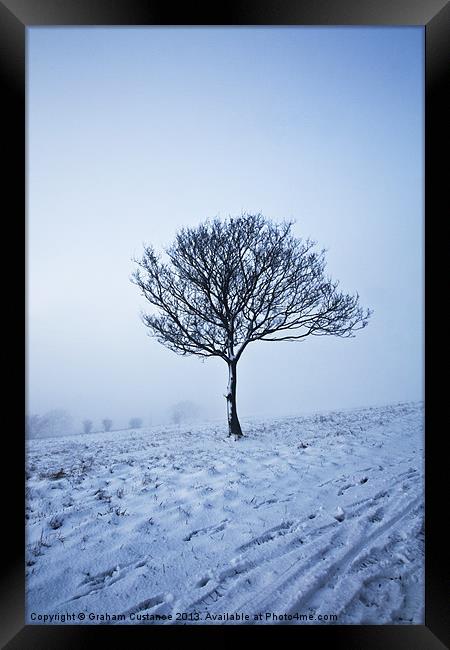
(135, 423)
(185, 411)
(107, 424)
(33, 425)
(87, 426)
(228, 283)
(57, 422)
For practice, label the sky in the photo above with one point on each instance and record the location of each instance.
(133, 133)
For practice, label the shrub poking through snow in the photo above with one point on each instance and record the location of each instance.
(56, 522)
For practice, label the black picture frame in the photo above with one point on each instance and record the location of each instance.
(15, 17)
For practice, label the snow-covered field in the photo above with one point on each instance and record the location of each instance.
(319, 516)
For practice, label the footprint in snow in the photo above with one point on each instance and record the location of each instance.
(203, 582)
(377, 516)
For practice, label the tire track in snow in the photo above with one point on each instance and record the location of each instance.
(103, 580)
(276, 546)
(279, 588)
(359, 589)
(318, 580)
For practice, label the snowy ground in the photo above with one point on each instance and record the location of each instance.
(320, 516)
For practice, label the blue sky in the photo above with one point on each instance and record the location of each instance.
(134, 132)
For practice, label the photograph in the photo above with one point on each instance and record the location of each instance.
(225, 242)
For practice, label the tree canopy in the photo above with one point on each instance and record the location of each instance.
(226, 284)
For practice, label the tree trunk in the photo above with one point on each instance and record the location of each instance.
(234, 427)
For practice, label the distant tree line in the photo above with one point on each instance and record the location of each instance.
(59, 422)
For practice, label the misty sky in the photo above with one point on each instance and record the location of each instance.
(133, 133)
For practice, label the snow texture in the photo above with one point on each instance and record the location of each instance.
(317, 515)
